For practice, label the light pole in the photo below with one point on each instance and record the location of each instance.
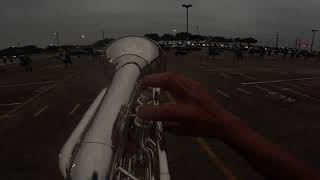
(102, 31)
(82, 37)
(198, 30)
(296, 43)
(277, 40)
(174, 32)
(57, 38)
(314, 31)
(187, 6)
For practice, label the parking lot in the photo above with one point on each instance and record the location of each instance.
(277, 97)
(39, 110)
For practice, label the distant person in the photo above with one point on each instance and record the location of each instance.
(60, 55)
(239, 54)
(212, 51)
(11, 59)
(306, 56)
(94, 54)
(284, 55)
(269, 52)
(292, 54)
(25, 61)
(251, 51)
(262, 53)
(196, 113)
(4, 60)
(67, 58)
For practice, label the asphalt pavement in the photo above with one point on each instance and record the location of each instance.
(277, 97)
(40, 109)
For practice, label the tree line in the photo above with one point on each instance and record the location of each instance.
(31, 49)
(192, 37)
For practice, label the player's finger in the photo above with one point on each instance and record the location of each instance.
(166, 112)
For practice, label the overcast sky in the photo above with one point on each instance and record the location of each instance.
(35, 21)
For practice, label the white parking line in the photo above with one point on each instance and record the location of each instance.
(35, 83)
(34, 97)
(277, 86)
(74, 109)
(223, 93)
(227, 69)
(278, 94)
(300, 94)
(9, 104)
(244, 91)
(27, 84)
(294, 85)
(271, 92)
(263, 89)
(224, 75)
(7, 116)
(53, 67)
(40, 111)
(31, 99)
(248, 77)
(278, 81)
(305, 84)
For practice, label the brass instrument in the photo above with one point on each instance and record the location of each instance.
(110, 141)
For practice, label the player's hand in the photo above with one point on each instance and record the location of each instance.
(194, 111)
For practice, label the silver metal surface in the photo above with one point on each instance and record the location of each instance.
(98, 148)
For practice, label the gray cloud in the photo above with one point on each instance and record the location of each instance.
(34, 21)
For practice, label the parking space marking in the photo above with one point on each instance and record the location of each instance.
(305, 84)
(246, 76)
(266, 90)
(224, 75)
(227, 69)
(262, 88)
(271, 92)
(9, 104)
(67, 78)
(35, 96)
(223, 93)
(295, 86)
(7, 116)
(278, 81)
(290, 90)
(244, 91)
(277, 86)
(40, 111)
(278, 94)
(52, 67)
(31, 99)
(74, 109)
(28, 84)
(213, 157)
(35, 83)
(215, 160)
(300, 94)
